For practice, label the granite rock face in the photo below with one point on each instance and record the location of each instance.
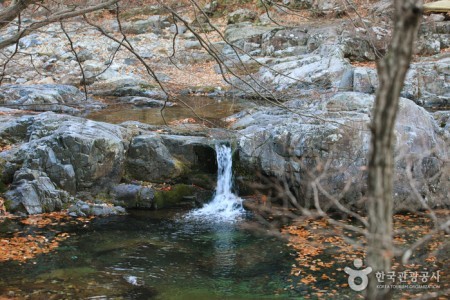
(58, 157)
(70, 155)
(44, 97)
(282, 144)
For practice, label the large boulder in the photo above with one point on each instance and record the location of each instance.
(133, 196)
(44, 97)
(323, 69)
(332, 147)
(148, 159)
(33, 193)
(161, 158)
(425, 82)
(246, 32)
(75, 153)
(128, 85)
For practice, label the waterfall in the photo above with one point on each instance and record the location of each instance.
(225, 206)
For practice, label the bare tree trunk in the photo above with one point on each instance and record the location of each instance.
(391, 73)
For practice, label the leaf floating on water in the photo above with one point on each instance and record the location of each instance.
(21, 247)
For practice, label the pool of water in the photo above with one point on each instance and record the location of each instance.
(155, 255)
(201, 109)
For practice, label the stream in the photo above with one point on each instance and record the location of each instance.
(154, 255)
(201, 108)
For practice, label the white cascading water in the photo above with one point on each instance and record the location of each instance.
(225, 206)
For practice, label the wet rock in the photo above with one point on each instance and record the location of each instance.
(32, 192)
(145, 102)
(148, 159)
(83, 209)
(133, 196)
(162, 158)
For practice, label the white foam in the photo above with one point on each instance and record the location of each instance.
(225, 206)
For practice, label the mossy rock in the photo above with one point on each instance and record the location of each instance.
(104, 197)
(245, 176)
(7, 203)
(206, 181)
(173, 197)
(147, 86)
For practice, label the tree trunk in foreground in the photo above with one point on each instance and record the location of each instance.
(391, 73)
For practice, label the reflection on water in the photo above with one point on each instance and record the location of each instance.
(203, 107)
(155, 255)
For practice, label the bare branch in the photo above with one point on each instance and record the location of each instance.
(56, 17)
(77, 58)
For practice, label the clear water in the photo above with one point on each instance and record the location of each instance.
(155, 255)
(225, 206)
(199, 108)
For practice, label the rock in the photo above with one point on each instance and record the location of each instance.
(425, 82)
(265, 19)
(29, 41)
(429, 44)
(365, 80)
(201, 22)
(45, 97)
(75, 153)
(153, 24)
(210, 8)
(148, 159)
(85, 55)
(245, 32)
(329, 6)
(281, 39)
(32, 192)
(323, 70)
(195, 57)
(144, 101)
(383, 9)
(122, 86)
(46, 80)
(161, 158)
(191, 45)
(357, 49)
(443, 119)
(282, 144)
(241, 15)
(133, 196)
(436, 17)
(83, 209)
(93, 66)
(180, 29)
